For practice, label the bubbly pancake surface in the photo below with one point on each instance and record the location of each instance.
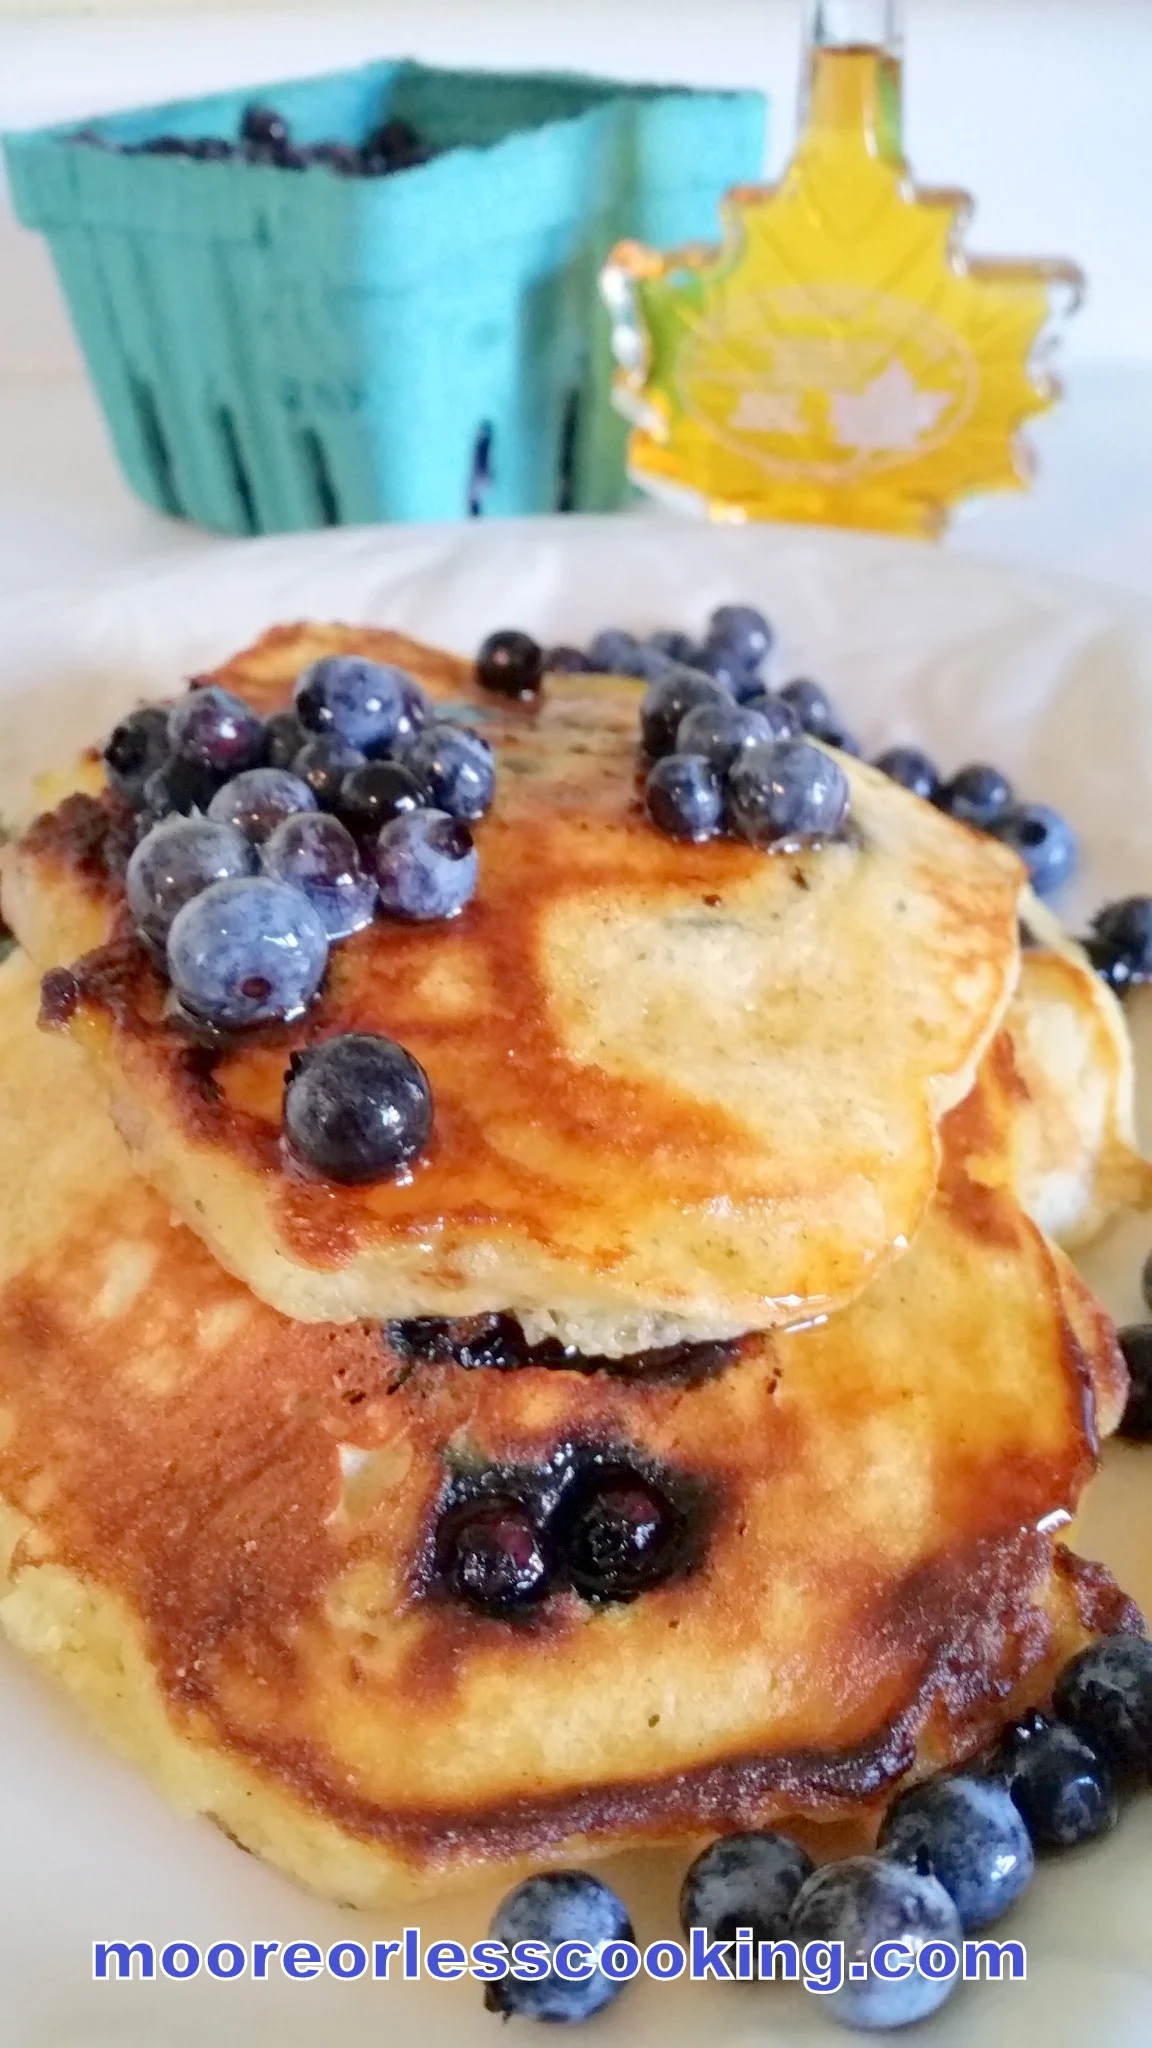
(219, 1530)
(679, 1091)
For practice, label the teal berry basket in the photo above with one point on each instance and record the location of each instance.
(277, 350)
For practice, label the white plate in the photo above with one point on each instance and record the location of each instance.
(1054, 682)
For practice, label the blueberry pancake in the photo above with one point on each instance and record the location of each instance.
(1075, 1162)
(679, 1091)
(390, 1617)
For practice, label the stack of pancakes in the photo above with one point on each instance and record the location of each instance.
(758, 1150)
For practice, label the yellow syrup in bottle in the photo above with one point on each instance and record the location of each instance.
(837, 358)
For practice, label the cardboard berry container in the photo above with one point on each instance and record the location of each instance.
(279, 349)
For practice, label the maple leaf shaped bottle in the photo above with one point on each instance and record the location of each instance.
(838, 358)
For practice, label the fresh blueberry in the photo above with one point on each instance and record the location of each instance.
(247, 952)
(454, 767)
(1014, 1740)
(393, 145)
(1063, 1787)
(210, 149)
(340, 157)
(680, 647)
(793, 791)
(862, 1902)
(611, 651)
(555, 1907)
(179, 786)
(684, 797)
(283, 738)
(667, 702)
(811, 703)
(138, 746)
(317, 855)
(622, 1535)
(492, 1555)
(912, 770)
(174, 862)
(216, 730)
(1127, 927)
(363, 702)
(978, 795)
(357, 1108)
(748, 1880)
(510, 663)
(259, 799)
(426, 866)
(720, 732)
(1045, 843)
(837, 734)
(566, 661)
(716, 659)
(1113, 966)
(745, 631)
(1136, 1420)
(323, 763)
(263, 126)
(375, 794)
(1105, 1694)
(969, 1834)
(780, 716)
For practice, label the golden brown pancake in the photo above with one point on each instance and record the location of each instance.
(1075, 1161)
(219, 1530)
(679, 1091)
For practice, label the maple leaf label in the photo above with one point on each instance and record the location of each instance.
(767, 412)
(893, 411)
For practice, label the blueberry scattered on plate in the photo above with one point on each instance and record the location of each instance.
(969, 1833)
(744, 1880)
(555, 1907)
(866, 1900)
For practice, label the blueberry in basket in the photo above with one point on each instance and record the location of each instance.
(244, 952)
(357, 1108)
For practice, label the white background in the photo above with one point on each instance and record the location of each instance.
(1040, 107)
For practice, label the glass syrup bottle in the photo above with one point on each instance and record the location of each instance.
(839, 358)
